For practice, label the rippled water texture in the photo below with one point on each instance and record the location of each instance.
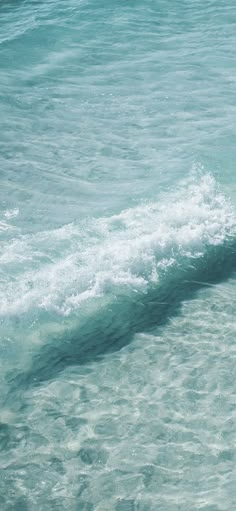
(117, 255)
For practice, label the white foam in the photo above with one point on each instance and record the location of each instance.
(64, 268)
(11, 213)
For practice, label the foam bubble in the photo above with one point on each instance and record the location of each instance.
(11, 213)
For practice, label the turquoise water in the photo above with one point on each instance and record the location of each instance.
(118, 255)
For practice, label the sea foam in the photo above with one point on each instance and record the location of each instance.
(61, 269)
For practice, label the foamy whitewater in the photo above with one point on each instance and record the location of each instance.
(118, 256)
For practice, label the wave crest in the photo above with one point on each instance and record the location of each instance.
(61, 269)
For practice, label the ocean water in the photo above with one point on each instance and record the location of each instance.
(117, 255)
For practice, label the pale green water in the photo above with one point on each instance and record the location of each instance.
(117, 261)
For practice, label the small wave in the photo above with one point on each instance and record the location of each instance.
(62, 269)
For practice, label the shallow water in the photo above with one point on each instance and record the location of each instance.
(117, 261)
